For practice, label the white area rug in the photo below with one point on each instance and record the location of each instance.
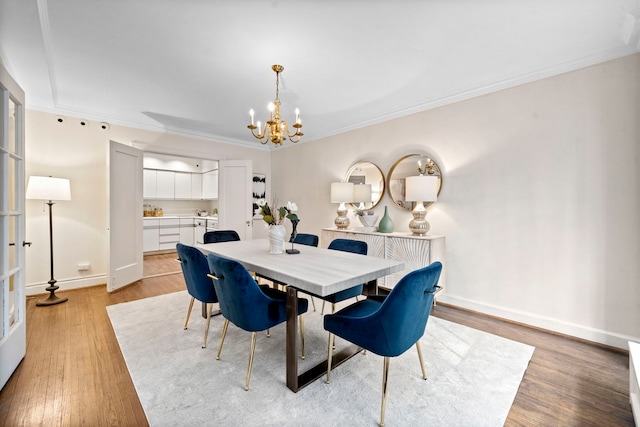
(473, 375)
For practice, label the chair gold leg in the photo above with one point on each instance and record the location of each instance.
(268, 333)
(206, 328)
(329, 357)
(385, 376)
(224, 332)
(333, 310)
(186, 322)
(301, 317)
(313, 304)
(322, 311)
(419, 347)
(254, 336)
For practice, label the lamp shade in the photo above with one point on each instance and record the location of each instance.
(423, 188)
(341, 192)
(48, 188)
(362, 193)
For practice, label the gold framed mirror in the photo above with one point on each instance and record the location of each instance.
(410, 165)
(367, 173)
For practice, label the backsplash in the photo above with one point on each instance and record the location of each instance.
(183, 207)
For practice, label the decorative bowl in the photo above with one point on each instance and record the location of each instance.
(368, 220)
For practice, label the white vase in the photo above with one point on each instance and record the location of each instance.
(276, 239)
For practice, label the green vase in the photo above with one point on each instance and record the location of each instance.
(386, 223)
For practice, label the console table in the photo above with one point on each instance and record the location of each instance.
(415, 251)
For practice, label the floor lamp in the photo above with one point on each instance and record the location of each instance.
(48, 188)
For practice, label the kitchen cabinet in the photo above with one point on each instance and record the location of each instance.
(210, 185)
(149, 184)
(150, 235)
(171, 185)
(187, 231)
(162, 234)
(165, 184)
(196, 186)
(182, 185)
(415, 251)
(169, 233)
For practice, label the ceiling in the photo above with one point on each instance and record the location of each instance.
(196, 67)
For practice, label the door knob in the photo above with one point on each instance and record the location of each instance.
(26, 244)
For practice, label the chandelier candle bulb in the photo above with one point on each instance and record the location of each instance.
(251, 113)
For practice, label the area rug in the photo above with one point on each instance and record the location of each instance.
(473, 376)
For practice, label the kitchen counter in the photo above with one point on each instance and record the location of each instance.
(181, 217)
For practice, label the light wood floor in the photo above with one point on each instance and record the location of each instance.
(74, 374)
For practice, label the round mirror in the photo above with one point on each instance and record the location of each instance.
(367, 173)
(411, 165)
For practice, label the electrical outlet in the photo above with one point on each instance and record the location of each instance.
(84, 266)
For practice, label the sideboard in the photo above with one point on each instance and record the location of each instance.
(415, 251)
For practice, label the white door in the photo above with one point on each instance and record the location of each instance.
(235, 205)
(13, 330)
(125, 215)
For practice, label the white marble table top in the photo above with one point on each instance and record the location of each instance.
(315, 270)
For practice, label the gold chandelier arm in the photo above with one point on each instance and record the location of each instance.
(295, 137)
(260, 135)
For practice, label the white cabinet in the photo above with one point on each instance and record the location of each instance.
(169, 234)
(182, 185)
(210, 185)
(170, 185)
(162, 234)
(165, 183)
(187, 231)
(196, 186)
(150, 235)
(149, 185)
(415, 251)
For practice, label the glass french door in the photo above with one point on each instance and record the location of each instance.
(13, 343)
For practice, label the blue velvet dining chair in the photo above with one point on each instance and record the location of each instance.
(306, 239)
(247, 305)
(388, 326)
(195, 269)
(345, 245)
(219, 236)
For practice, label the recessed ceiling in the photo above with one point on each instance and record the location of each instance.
(197, 67)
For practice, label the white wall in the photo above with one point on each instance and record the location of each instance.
(541, 198)
(69, 150)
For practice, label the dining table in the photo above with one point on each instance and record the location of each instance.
(313, 270)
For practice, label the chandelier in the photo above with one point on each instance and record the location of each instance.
(276, 130)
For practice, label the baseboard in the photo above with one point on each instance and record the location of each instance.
(75, 283)
(579, 331)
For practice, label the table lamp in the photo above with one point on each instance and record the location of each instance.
(362, 195)
(420, 189)
(48, 188)
(341, 192)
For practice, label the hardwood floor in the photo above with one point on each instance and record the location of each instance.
(74, 374)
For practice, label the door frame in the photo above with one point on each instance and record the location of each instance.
(13, 330)
(125, 216)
